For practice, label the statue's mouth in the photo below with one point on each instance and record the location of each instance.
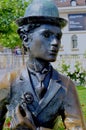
(53, 50)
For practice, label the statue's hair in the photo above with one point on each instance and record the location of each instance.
(27, 29)
(24, 32)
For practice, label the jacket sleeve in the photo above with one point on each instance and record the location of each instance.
(4, 92)
(5, 84)
(72, 114)
(3, 111)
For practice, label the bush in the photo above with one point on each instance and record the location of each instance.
(78, 74)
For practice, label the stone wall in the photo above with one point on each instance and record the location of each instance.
(16, 61)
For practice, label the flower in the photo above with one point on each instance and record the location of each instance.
(7, 123)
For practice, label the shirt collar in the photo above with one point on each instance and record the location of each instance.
(36, 67)
(42, 73)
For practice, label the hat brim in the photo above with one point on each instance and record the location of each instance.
(42, 20)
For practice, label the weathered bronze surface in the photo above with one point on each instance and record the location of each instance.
(42, 11)
(38, 94)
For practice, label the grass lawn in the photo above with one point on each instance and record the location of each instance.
(82, 96)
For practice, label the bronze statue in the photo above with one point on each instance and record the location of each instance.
(36, 96)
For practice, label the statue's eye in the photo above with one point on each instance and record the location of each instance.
(59, 36)
(47, 34)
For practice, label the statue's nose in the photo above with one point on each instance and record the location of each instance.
(54, 41)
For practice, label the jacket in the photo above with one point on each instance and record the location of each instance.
(61, 99)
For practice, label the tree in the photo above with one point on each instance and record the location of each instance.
(10, 10)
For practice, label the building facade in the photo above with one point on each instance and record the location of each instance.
(74, 34)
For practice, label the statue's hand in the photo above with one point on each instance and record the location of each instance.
(22, 118)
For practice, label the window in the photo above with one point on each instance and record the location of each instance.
(77, 22)
(74, 42)
(73, 2)
(63, 0)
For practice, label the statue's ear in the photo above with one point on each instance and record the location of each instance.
(27, 39)
(23, 34)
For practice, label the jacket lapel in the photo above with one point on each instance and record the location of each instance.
(51, 92)
(53, 88)
(27, 83)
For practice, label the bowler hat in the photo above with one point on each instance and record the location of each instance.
(42, 12)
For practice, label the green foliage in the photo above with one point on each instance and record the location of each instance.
(82, 96)
(64, 67)
(58, 124)
(10, 10)
(78, 74)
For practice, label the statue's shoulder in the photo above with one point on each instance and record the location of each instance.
(6, 81)
(60, 76)
(67, 81)
(8, 78)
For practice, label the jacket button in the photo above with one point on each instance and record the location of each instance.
(28, 96)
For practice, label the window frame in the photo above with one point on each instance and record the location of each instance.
(74, 42)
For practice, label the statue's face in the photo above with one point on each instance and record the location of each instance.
(45, 43)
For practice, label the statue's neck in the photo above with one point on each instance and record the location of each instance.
(37, 64)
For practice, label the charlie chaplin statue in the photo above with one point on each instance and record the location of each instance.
(35, 97)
